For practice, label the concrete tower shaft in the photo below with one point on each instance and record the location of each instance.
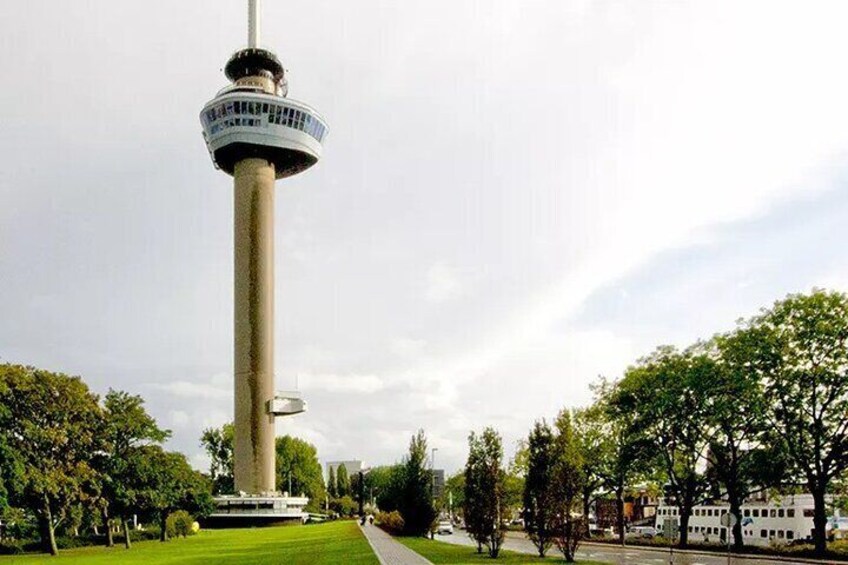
(253, 181)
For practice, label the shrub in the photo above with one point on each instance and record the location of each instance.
(11, 547)
(392, 521)
(179, 524)
(344, 506)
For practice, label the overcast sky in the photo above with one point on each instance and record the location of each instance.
(514, 198)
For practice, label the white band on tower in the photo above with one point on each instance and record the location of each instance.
(253, 23)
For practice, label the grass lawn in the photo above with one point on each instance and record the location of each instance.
(441, 552)
(320, 544)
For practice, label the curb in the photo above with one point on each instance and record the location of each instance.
(735, 556)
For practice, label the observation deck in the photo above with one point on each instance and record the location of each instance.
(253, 118)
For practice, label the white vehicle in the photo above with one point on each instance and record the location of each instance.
(643, 532)
(444, 527)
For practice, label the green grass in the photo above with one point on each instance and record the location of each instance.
(441, 552)
(321, 544)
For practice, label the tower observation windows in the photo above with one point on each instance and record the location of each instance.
(222, 116)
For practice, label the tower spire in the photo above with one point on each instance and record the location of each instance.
(253, 22)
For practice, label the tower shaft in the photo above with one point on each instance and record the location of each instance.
(254, 451)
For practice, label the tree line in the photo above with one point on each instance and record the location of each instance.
(764, 406)
(70, 461)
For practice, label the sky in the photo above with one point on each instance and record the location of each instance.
(514, 199)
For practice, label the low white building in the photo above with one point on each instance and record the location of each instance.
(764, 521)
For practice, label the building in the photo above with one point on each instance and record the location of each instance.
(438, 483)
(256, 134)
(640, 508)
(352, 467)
(764, 520)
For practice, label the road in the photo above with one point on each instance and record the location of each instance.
(619, 555)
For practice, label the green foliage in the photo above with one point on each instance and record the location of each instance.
(566, 486)
(49, 429)
(128, 464)
(539, 514)
(332, 483)
(485, 490)
(387, 483)
(297, 461)
(801, 355)
(218, 443)
(416, 501)
(668, 396)
(392, 521)
(344, 506)
(180, 524)
(342, 481)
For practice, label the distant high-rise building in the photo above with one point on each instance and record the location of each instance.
(352, 466)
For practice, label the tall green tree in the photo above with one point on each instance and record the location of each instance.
(164, 482)
(385, 484)
(127, 427)
(590, 431)
(745, 455)
(668, 398)
(802, 356)
(342, 481)
(298, 469)
(485, 490)
(50, 426)
(218, 443)
(416, 503)
(629, 454)
(567, 481)
(538, 505)
(332, 483)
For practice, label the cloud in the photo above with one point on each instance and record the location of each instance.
(179, 418)
(443, 284)
(341, 383)
(187, 389)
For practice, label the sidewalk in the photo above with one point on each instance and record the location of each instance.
(389, 551)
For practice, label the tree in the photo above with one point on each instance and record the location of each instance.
(802, 357)
(567, 480)
(127, 427)
(218, 443)
(485, 490)
(538, 511)
(454, 493)
(629, 453)
(416, 502)
(332, 483)
(385, 483)
(164, 482)
(342, 481)
(744, 454)
(298, 469)
(590, 431)
(667, 398)
(49, 426)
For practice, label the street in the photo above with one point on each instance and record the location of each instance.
(620, 555)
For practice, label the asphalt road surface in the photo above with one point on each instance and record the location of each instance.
(618, 555)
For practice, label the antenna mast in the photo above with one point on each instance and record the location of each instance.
(253, 24)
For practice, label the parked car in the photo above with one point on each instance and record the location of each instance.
(643, 532)
(444, 527)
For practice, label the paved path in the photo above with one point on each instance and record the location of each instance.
(388, 550)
